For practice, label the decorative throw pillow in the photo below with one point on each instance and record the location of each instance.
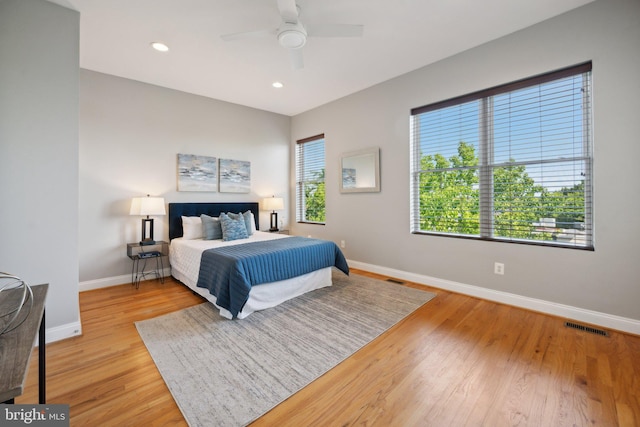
(191, 227)
(249, 222)
(211, 228)
(233, 229)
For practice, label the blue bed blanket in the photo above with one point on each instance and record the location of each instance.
(229, 272)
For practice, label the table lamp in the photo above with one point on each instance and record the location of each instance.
(146, 206)
(273, 204)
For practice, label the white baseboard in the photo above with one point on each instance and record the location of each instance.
(111, 281)
(104, 283)
(605, 320)
(63, 332)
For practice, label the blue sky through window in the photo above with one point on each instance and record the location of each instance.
(539, 124)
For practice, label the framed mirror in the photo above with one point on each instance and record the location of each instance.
(360, 171)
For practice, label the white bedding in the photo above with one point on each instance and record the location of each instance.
(184, 257)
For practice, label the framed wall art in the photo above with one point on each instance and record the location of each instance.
(197, 173)
(235, 176)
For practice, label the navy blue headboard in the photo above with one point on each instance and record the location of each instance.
(178, 210)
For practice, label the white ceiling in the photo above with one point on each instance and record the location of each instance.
(399, 36)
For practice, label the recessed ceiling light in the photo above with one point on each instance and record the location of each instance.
(160, 47)
(277, 85)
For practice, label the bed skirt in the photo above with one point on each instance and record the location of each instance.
(266, 295)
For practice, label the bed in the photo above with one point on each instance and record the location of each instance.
(264, 269)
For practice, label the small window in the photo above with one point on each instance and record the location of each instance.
(511, 163)
(310, 186)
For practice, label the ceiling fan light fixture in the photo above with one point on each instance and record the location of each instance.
(292, 35)
(292, 39)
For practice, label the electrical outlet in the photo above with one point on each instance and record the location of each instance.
(342, 244)
(498, 268)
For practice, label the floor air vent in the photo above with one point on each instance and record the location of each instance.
(586, 329)
(399, 282)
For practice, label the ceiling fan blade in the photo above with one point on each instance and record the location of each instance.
(288, 10)
(247, 35)
(334, 30)
(297, 62)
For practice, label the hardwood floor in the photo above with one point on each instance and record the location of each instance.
(456, 361)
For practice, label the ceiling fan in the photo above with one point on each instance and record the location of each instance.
(292, 34)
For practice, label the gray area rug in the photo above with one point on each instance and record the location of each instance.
(229, 372)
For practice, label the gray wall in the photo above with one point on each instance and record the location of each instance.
(39, 153)
(130, 135)
(376, 226)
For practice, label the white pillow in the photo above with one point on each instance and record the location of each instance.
(191, 227)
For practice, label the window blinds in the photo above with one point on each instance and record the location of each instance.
(310, 185)
(511, 163)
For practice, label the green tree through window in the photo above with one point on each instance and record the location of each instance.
(449, 199)
(314, 195)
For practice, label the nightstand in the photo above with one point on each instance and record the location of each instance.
(141, 254)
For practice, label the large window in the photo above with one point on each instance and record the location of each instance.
(511, 163)
(310, 194)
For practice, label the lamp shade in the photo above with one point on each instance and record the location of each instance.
(147, 206)
(273, 204)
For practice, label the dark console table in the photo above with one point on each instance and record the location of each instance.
(16, 347)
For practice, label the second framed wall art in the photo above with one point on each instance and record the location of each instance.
(235, 176)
